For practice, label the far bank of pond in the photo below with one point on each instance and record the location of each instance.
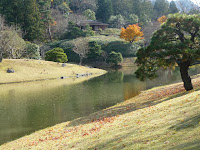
(28, 107)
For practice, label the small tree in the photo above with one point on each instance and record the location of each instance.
(114, 58)
(88, 31)
(32, 51)
(117, 21)
(89, 14)
(81, 47)
(177, 42)
(56, 55)
(131, 33)
(74, 31)
(94, 51)
(162, 19)
(11, 44)
(132, 19)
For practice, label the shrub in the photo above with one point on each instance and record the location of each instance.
(117, 21)
(73, 32)
(32, 51)
(88, 31)
(114, 58)
(56, 55)
(94, 51)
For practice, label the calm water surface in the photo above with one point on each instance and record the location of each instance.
(28, 107)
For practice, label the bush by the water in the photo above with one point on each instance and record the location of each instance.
(56, 55)
(107, 44)
(114, 58)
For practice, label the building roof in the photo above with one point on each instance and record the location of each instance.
(91, 22)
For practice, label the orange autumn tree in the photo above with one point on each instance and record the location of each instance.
(131, 33)
(162, 19)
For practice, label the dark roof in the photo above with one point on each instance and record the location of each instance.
(91, 22)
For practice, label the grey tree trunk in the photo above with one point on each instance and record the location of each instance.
(81, 60)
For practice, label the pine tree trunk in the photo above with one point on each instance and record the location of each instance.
(184, 66)
(1, 56)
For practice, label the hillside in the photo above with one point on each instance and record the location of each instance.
(33, 70)
(161, 118)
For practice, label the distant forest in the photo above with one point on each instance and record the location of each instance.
(44, 20)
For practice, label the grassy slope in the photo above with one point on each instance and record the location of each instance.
(27, 70)
(161, 118)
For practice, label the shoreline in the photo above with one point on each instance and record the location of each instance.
(59, 78)
(28, 70)
(155, 96)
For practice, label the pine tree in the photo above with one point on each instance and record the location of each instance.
(104, 10)
(137, 7)
(44, 8)
(24, 13)
(172, 8)
(32, 24)
(161, 8)
(176, 43)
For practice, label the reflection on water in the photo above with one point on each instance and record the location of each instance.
(27, 107)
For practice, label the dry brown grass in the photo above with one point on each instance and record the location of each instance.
(30, 70)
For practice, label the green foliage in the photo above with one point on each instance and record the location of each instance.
(94, 51)
(32, 51)
(89, 14)
(172, 8)
(132, 19)
(110, 32)
(176, 42)
(107, 44)
(88, 31)
(117, 21)
(26, 14)
(56, 55)
(104, 11)
(73, 31)
(114, 58)
(68, 48)
(161, 8)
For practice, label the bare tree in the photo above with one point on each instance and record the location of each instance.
(81, 47)
(76, 18)
(11, 44)
(61, 23)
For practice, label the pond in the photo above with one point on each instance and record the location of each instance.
(28, 107)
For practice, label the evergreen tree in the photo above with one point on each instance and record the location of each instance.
(24, 13)
(176, 43)
(172, 8)
(104, 10)
(44, 7)
(94, 51)
(137, 7)
(121, 7)
(32, 25)
(161, 8)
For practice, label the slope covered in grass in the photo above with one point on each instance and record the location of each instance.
(31, 70)
(161, 118)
